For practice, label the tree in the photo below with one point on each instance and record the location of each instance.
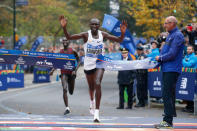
(38, 18)
(87, 9)
(6, 26)
(151, 13)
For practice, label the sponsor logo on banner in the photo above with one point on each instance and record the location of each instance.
(4, 52)
(68, 65)
(12, 79)
(108, 22)
(42, 78)
(157, 85)
(2, 60)
(184, 83)
(157, 82)
(44, 63)
(1, 83)
(183, 86)
(127, 38)
(138, 66)
(20, 61)
(113, 67)
(117, 29)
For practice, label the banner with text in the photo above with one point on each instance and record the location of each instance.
(117, 65)
(185, 87)
(43, 59)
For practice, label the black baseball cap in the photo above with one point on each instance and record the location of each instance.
(139, 48)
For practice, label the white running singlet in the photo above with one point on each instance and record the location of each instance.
(93, 48)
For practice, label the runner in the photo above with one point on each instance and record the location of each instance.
(93, 47)
(68, 77)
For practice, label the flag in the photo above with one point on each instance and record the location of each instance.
(20, 43)
(109, 22)
(36, 43)
(112, 24)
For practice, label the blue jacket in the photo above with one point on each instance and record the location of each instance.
(154, 53)
(195, 58)
(189, 61)
(172, 52)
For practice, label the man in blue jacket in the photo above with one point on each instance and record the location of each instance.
(189, 60)
(171, 66)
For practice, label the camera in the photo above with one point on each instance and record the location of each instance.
(161, 39)
(189, 27)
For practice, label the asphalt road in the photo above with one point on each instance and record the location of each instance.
(45, 101)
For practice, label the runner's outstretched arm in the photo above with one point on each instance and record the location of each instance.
(63, 22)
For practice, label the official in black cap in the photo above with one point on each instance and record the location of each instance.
(139, 48)
(141, 76)
(125, 80)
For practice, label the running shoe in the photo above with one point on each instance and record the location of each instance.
(67, 111)
(96, 116)
(163, 125)
(96, 120)
(92, 107)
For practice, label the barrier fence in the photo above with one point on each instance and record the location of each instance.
(186, 84)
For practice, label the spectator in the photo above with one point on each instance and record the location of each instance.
(186, 38)
(125, 80)
(155, 50)
(192, 33)
(189, 60)
(161, 39)
(2, 42)
(141, 76)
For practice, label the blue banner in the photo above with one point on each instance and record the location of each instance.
(15, 80)
(41, 75)
(185, 87)
(42, 59)
(117, 65)
(155, 84)
(20, 43)
(3, 82)
(111, 24)
(36, 43)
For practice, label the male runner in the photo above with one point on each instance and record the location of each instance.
(93, 47)
(68, 77)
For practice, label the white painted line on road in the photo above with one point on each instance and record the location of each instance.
(12, 110)
(134, 117)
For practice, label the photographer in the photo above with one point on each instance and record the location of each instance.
(161, 39)
(191, 30)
